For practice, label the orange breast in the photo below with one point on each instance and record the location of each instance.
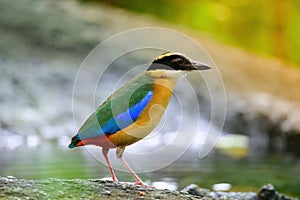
(150, 117)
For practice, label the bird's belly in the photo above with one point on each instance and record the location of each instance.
(149, 118)
(102, 141)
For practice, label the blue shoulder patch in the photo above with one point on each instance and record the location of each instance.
(126, 118)
(122, 120)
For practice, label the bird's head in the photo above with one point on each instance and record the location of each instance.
(176, 61)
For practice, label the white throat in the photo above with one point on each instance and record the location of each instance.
(168, 74)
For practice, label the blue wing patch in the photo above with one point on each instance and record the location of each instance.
(122, 120)
(126, 118)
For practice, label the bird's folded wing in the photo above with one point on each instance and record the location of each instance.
(120, 110)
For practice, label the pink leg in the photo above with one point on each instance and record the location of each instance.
(113, 176)
(138, 181)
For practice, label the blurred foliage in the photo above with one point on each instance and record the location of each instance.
(269, 27)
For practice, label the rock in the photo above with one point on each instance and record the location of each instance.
(267, 192)
(10, 177)
(195, 190)
(12, 188)
(106, 192)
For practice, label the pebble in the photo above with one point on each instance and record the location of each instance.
(129, 190)
(267, 192)
(10, 177)
(106, 192)
(183, 192)
(122, 187)
(160, 196)
(142, 193)
(150, 189)
(109, 184)
(213, 195)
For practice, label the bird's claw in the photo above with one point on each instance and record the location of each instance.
(139, 183)
(143, 184)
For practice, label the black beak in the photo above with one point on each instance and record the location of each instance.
(200, 66)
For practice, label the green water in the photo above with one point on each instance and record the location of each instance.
(244, 175)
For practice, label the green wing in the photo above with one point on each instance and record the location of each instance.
(120, 109)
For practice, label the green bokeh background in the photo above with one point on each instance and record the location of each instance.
(269, 28)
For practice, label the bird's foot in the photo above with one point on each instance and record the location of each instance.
(114, 179)
(141, 183)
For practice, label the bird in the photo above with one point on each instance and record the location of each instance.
(134, 110)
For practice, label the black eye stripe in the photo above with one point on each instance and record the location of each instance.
(170, 62)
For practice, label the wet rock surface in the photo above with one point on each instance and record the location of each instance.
(267, 192)
(12, 188)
